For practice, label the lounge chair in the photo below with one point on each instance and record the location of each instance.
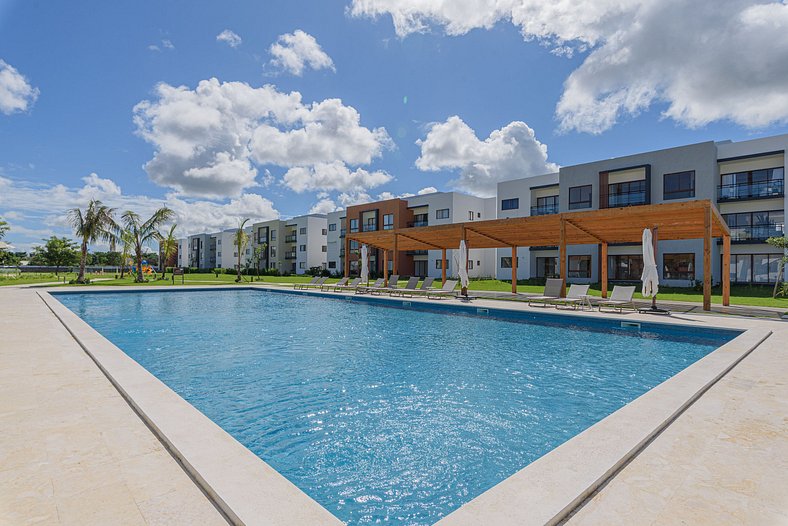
(316, 285)
(620, 298)
(305, 285)
(325, 287)
(362, 289)
(426, 284)
(353, 285)
(407, 289)
(552, 291)
(574, 297)
(392, 285)
(443, 292)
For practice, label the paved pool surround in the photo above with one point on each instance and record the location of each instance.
(248, 491)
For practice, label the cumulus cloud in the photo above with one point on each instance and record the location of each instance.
(231, 38)
(324, 206)
(33, 205)
(297, 51)
(641, 53)
(16, 92)
(508, 153)
(209, 141)
(427, 190)
(332, 177)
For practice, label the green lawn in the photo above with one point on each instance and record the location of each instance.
(740, 295)
(30, 278)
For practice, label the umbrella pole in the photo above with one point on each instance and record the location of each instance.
(654, 309)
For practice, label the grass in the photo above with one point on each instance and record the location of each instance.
(753, 296)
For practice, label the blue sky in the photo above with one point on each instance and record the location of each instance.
(88, 64)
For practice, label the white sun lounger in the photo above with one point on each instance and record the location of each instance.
(305, 285)
(409, 287)
(619, 299)
(443, 292)
(573, 298)
(552, 291)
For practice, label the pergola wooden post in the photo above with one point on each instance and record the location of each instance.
(514, 269)
(386, 267)
(464, 290)
(707, 259)
(603, 268)
(726, 270)
(443, 266)
(347, 257)
(395, 255)
(562, 255)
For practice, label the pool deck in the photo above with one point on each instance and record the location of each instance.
(78, 453)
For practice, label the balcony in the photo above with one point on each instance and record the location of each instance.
(544, 210)
(414, 224)
(291, 238)
(760, 190)
(630, 198)
(342, 253)
(343, 232)
(756, 233)
(370, 227)
(290, 255)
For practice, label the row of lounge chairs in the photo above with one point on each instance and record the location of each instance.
(577, 296)
(411, 288)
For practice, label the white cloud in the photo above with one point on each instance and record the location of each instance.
(231, 38)
(641, 53)
(332, 177)
(165, 44)
(509, 153)
(324, 206)
(427, 190)
(33, 205)
(296, 51)
(16, 92)
(209, 141)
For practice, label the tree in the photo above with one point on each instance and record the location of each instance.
(240, 240)
(781, 243)
(168, 245)
(57, 252)
(257, 256)
(125, 254)
(143, 234)
(3, 228)
(94, 224)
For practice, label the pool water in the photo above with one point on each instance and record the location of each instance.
(381, 414)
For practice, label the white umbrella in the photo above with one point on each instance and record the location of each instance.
(650, 277)
(364, 264)
(463, 265)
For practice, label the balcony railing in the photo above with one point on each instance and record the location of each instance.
(620, 199)
(761, 190)
(291, 238)
(757, 232)
(369, 227)
(544, 210)
(413, 224)
(290, 255)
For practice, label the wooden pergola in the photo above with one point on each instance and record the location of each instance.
(669, 221)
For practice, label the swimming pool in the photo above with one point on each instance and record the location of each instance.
(388, 414)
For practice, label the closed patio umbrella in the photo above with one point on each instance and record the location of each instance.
(650, 277)
(463, 267)
(364, 264)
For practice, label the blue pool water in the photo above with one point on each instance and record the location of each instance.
(385, 414)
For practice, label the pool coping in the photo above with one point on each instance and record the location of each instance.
(544, 492)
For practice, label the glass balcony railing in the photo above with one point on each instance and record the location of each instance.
(760, 190)
(413, 224)
(757, 232)
(291, 238)
(290, 255)
(620, 199)
(369, 227)
(544, 210)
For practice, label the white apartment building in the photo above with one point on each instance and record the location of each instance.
(335, 238)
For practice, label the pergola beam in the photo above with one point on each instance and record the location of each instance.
(585, 231)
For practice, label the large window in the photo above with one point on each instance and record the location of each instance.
(678, 266)
(580, 197)
(754, 184)
(388, 221)
(510, 204)
(579, 267)
(756, 226)
(679, 185)
(332, 264)
(754, 268)
(443, 213)
(354, 225)
(625, 267)
(629, 193)
(547, 267)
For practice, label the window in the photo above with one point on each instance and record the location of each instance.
(302, 248)
(471, 216)
(218, 254)
(219, 242)
(506, 262)
(579, 267)
(678, 266)
(354, 225)
(752, 185)
(324, 248)
(510, 204)
(545, 205)
(371, 225)
(332, 264)
(629, 193)
(273, 235)
(353, 245)
(443, 213)
(332, 227)
(756, 226)
(235, 254)
(470, 264)
(580, 197)
(679, 185)
(273, 252)
(438, 263)
(420, 220)
(323, 232)
(302, 264)
(248, 251)
(547, 267)
(625, 267)
(754, 268)
(388, 221)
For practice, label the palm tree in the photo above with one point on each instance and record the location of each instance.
(125, 251)
(168, 245)
(142, 234)
(96, 223)
(240, 240)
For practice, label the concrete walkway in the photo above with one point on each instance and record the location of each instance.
(72, 451)
(723, 461)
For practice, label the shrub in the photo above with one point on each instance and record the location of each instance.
(74, 282)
